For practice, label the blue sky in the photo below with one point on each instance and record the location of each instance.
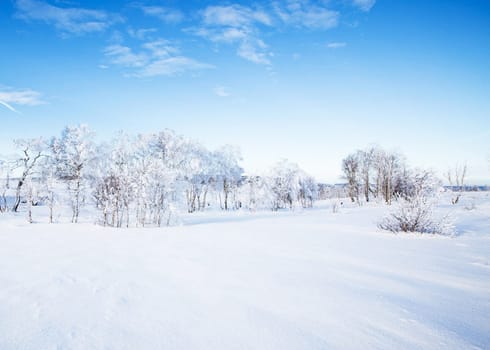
(305, 80)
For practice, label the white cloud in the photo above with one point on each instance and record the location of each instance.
(71, 20)
(239, 25)
(161, 48)
(165, 14)
(336, 45)
(234, 16)
(254, 51)
(301, 13)
(156, 58)
(10, 97)
(226, 35)
(124, 56)
(244, 26)
(364, 5)
(142, 33)
(221, 91)
(171, 66)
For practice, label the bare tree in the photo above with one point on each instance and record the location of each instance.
(456, 178)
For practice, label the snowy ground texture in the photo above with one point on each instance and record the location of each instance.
(301, 280)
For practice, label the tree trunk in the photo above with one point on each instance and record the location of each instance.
(51, 203)
(15, 208)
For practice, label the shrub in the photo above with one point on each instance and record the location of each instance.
(416, 214)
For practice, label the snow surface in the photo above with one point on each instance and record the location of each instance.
(301, 280)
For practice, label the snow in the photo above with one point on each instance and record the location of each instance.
(288, 280)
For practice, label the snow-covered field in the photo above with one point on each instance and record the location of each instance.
(287, 280)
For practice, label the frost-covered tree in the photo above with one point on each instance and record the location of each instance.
(29, 195)
(388, 167)
(366, 158)
(74, 156)
(198, 175)
(288, 183)
(410, 183)
(31, 151)
(141, 163)
(155, 169)
(170, 154)
(358, 168)
(391, 164)
(108, 198)
(376, 171)
(255, 192)
(402, 184)
(147, 179)
(249, 191)
(351, 170)
(4, 184)
(228, 174)
(414, 211)
(308, 190)
(49, 186)
(160, 194)
(115, 182)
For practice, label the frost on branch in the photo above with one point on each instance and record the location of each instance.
(289, 184)
(415, 212)
(416, 215)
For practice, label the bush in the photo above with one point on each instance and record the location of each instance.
(416, 215)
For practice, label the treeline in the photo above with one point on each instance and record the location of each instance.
(141, 180)
(384, 175)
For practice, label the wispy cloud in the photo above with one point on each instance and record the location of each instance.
(244, 26)
(172, 66)
(10, 97)
(234, 16)
(303, 13)
(124, 56)
(254, 50)
(336, 45)
(142, 33)
(238, 25)
(155, 58)
(221, 91)
(68, 20)
(364, 5)
(165, 14)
